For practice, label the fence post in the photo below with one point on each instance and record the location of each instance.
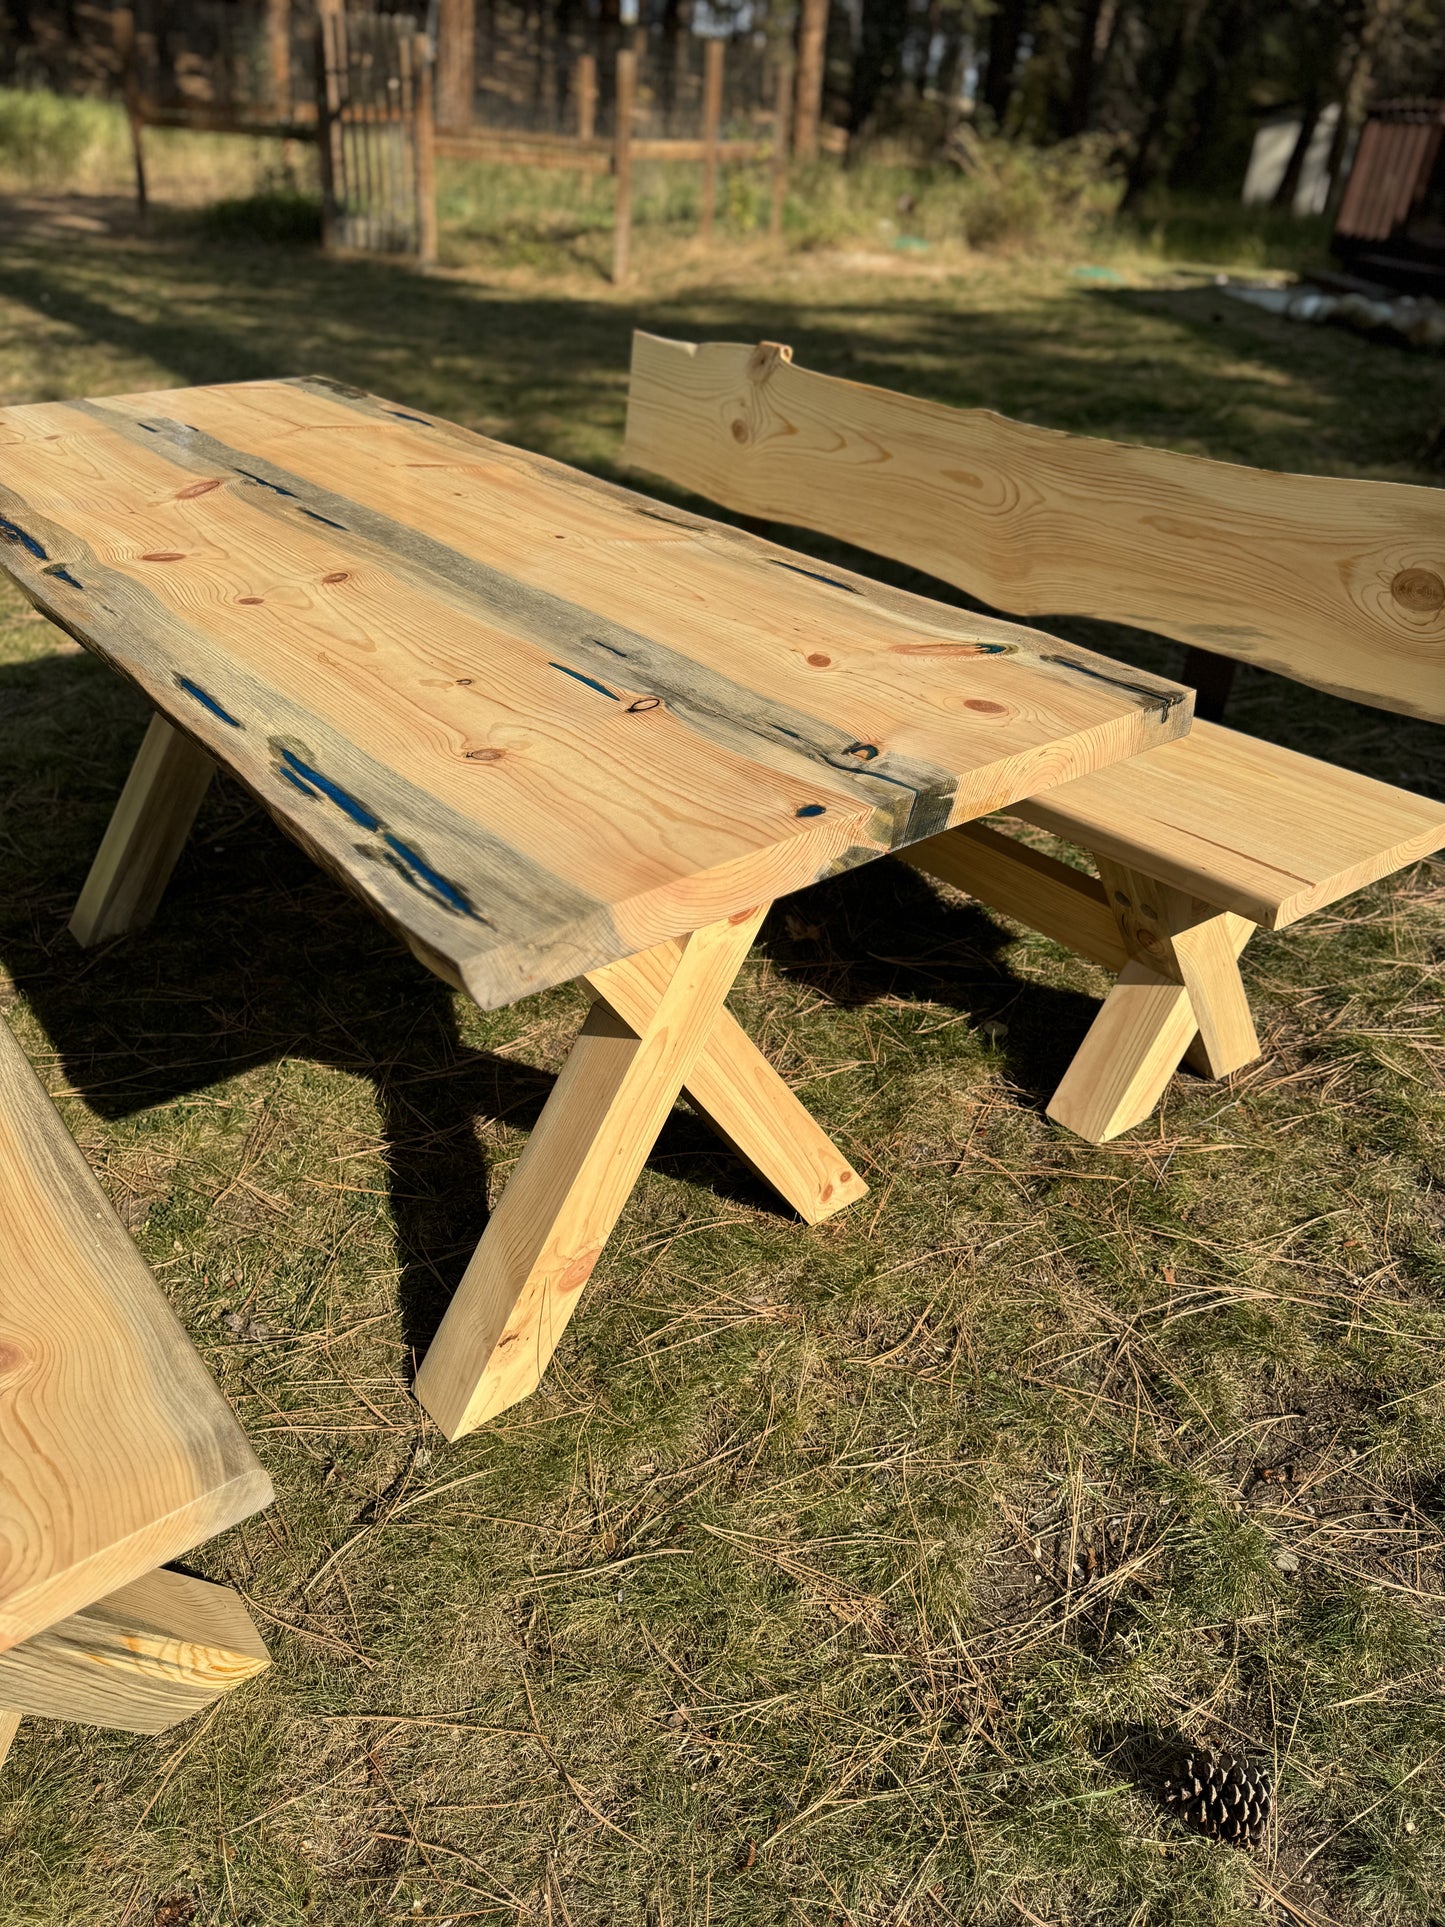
(781, 105)
(586, 96)
(812, 49)
(626, 95)
(712, 91)
(130, 90)
(328, 117)
(424, 153)
(278, 52)
(456, 62)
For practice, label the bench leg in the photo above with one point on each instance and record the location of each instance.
(145, 836)
(740, 1094)
(9, 1727)
(1182, 979)
(570, 1184)
(140, 1659)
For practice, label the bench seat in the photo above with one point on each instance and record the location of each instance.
(117, 1453)
(1249, 827)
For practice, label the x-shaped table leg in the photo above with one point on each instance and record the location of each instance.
(659, 1024)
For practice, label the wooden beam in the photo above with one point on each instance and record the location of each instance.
(116, 1449)
(586, 96)
(1133, 1048)
(139, 1659)
(712, 95)
(1037, 889)
(424, 152)
(1193, 943)
(624, 104)
(739, 1093)
(565, 1195)
(1181, 977)
(1336, 582)
(145, 837)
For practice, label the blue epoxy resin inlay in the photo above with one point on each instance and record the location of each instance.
(261, 482)
(58, 572)
(591, 681)
(199, 695)
(813, 809)
(358, 812)
(402, 416)
(317, 517)
(13, 532)
(829, 581)
(448, 892)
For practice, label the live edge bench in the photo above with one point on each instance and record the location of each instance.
(1199, 841)
(117, 1453)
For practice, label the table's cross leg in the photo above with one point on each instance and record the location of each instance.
(740, 1094)
(9, 1727)
(585, 1154)
(145, 836)
(1180, 992)
(140, 1659)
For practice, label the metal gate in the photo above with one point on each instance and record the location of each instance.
(374, 103)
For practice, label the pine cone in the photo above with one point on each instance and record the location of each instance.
(1221, 1795)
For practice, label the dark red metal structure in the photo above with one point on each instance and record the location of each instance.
(1391, 223)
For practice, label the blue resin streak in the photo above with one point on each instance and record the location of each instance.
(59, 573)
(315, 517)
(261, 482)
(448, 892)
(206, 702)
(591, 682)
(402, 416)
(813, 576)
(295, 781)
(346, 803)
(13, 532)
(812, 809)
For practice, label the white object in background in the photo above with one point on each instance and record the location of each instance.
(1269, 157)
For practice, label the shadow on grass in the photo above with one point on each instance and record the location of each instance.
(256, 955)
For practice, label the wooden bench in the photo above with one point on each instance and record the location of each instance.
(1197, 843)
(117, 1453)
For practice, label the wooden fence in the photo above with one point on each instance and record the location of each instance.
(361, 83)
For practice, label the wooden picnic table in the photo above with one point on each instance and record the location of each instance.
(546, 728)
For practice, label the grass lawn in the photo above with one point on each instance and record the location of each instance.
(843, 1575)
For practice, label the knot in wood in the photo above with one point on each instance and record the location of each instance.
(1419, 590)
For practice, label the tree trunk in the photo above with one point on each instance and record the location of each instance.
(1006, 29)
(1086, 60)
(877, 63)
(1284, 194)
(808, 100)
(1147, 164)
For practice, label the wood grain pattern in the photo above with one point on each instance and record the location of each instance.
(1067, 905)
(740, 1094)
(570, 1184)
(9, 1727)
(1133, 1047)
(145, 836)
(116, 1449)
(141, 1658)
(1256, 829)
(1336, 583)
(536, 722)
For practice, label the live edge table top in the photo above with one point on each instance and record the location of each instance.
(537, 722)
